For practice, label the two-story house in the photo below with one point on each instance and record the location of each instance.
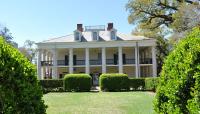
(95, 50)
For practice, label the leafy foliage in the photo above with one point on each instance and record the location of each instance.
(161, 19)
(114, 82)
(151, 83)
(137, 83)
(178, 15)
(7, 36)
(146, 84)
(20, 92)
(179, 86)
(52, 85)
(77, 82)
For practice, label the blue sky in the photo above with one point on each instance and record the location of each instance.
(39, 20)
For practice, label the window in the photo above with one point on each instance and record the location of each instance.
(95, 36)
(77, 36)
(113, 36)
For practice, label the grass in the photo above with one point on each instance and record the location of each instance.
(99, 103)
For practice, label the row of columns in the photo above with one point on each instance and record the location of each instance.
(87, 63)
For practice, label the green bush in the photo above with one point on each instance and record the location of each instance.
(52, 85)
(151, 83)
(20, 92)
(179, 85)
(137, 83)
(77, 82)
(114, 82)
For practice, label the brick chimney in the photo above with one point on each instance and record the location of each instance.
(110, 26)
(80, 27)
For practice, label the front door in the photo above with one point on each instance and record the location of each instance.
(95, 79)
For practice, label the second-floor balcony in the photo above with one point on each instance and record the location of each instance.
(97, 62)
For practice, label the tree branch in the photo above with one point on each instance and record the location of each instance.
(164, 5)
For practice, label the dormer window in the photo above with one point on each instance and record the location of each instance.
(113, 35)
(77, 36)
(95, 36)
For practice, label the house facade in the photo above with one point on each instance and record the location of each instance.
(95, 50)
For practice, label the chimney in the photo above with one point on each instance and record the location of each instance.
(110, 26)
(80, 27)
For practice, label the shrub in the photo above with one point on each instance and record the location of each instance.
(151, 83)
(20, 92)
(52, 85)
(137, 83)
(114, 82)
(179, 84)
(77, 82)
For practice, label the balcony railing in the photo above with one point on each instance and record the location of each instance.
(95, 28)
(79, 62)
(62, 62)
(46, 63)
(129, 61)
(111, 62)
(146, 61)
(95, 62)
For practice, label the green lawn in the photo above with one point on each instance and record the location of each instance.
(99, 103)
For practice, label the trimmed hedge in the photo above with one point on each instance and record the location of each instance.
(114, 82)
(151, 83)
(77, 82)
(147, 84)
(52, 85)
(137, 83)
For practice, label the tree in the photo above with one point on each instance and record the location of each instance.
(20, 92)
(28, 50)
(178, 91)
(179, 15)
(161, 18)
(5, 33)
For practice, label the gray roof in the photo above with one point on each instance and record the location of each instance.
(103, 36)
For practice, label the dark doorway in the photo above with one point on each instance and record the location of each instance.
(66, 59)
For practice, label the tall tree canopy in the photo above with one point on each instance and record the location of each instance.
(6, 34)
(177, 16)
(161, 18)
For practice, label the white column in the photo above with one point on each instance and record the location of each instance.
(46, 65)
(49, 62)
(137, 61)
(103, 54)
(54, 67)
(71, 69)
(87, 61)
(42, 67)
(154, 61)
(120, 60)
(39, 65)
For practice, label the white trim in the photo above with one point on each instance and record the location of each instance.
(98, 44)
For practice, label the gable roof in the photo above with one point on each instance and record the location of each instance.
(103, 36)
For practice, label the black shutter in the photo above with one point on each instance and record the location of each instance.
(115, 59)
(124, 58)
(74, 59)
(66, 59)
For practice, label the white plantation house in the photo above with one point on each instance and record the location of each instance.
(95, 50)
